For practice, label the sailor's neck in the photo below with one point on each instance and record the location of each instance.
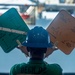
(40, 59)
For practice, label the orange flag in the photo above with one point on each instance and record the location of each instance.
(62, 30)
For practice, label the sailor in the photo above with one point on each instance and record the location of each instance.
(37, 46)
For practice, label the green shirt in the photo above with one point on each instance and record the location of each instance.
(36, 67)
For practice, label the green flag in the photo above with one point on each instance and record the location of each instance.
(12, 28)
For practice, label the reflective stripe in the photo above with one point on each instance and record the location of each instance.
(13, 30)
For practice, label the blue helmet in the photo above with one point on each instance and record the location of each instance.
(38, 37)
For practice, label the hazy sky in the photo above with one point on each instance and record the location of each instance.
(7, 60)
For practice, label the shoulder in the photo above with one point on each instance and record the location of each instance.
(18, 65)
(52, 69)
(55, 68)
(16, 68)
(55, 65)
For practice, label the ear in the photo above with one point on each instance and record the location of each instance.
(48, 52)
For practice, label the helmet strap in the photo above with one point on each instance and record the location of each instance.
(44, 55)
(29, 54)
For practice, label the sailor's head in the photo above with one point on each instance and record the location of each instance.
(37, 41)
